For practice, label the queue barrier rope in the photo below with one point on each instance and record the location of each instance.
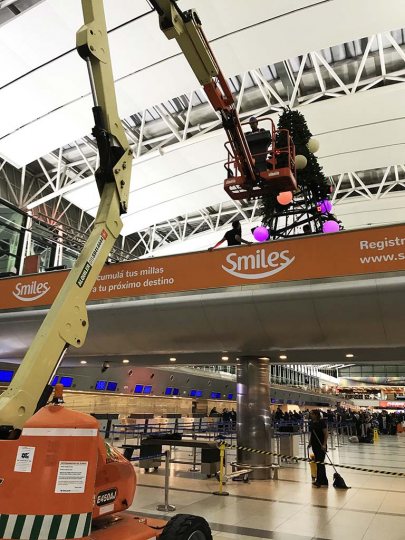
(309, 460)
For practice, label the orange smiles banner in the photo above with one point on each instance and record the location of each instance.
(319, 256)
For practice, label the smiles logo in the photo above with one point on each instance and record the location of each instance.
(258, 265)
(28, 292)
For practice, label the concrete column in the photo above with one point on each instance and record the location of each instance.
(253, 414)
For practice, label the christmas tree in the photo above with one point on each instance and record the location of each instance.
(313, 187)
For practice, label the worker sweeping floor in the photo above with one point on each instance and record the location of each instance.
(290, 508)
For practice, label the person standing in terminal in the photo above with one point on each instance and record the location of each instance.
(279, 414)
(254, 125)
(233, 417)
(318, 442)
(233, 236)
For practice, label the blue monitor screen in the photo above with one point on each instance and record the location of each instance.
(176, 391)
(215, 395)
(101, 385)
(230, 396)
(168, 391)
(147, 389)
(112, 386)
(66, 381)
(198, 393)
(6, 375)
(193, 393)
(138, 389)
(55, 380)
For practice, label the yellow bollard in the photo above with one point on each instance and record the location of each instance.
(376, 436)
(221, 491)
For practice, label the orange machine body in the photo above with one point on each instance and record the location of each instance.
(60, 476)
(115, 484)
(51, 468)
(125, 526)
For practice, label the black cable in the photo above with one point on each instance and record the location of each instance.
(182, 16)
(276, 17)
(33, 70)
(149, 66)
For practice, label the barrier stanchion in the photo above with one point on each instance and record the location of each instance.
(337, 442)
(194, 468)
(304, 434)
(332, 444)
(113, 437)
(166, 507)
(221, 492)
(278, 450)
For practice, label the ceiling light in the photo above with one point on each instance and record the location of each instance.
(172, 359)
(349, 355)
(264, 358)
(83, 362)
(125, 361)
(283, 357)
(225, 358)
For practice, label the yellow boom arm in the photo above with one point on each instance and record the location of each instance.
(185, 27)
(66, 322)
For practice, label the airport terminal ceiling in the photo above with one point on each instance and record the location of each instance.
(347, 79)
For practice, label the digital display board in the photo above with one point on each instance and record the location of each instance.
(66, 381)
(112, 386)
(101, 385)
(147, 389)
(138, 389)
(6, 375)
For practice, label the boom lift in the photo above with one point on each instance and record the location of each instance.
(247, 178)
(58, 478)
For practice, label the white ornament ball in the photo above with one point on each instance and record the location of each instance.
(300, 162)
(313, 145)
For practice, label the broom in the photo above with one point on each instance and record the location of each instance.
(338, 481)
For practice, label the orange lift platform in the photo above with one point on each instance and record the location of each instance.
(246, 179)
(273, 154)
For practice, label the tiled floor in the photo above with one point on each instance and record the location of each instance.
(290, 508)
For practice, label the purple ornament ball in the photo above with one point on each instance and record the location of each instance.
(326, 206)
(261, 234)
(330, 226)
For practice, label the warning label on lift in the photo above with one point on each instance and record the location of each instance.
(71, 477)
(24, 459)
(90, 261)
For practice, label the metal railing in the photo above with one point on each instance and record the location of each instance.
(210, 430)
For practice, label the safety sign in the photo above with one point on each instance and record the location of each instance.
(71, 477)
(24, 459)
